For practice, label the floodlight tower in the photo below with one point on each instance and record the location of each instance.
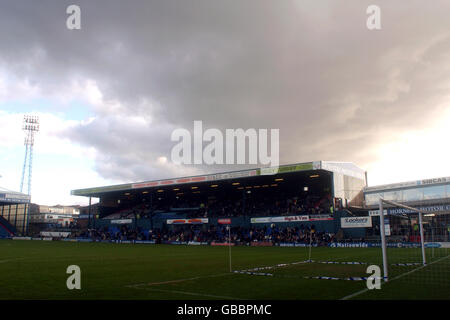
(30, 127)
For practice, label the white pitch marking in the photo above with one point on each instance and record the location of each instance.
(9, 260)
(178, 280)
(396, 278)
(190, 293)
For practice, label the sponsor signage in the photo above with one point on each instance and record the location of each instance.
(21, 238)
(376, 213)
(287, 168)
(222, 244)
(408, 184)
(197, 243)
(290, 219)
(224, 221)
(280, 219)
(302, 218)
(436, 208)
(187, 221)
(55, 234)
(261, 244)
(387, 227)
(232, 175)
(356, 222)
(376, 244)
(320, 217)
(122, 221)
(260, 220)
(14, 198)
(294, 168)
(204, 178)
(296, 244)
(437, 244)
(211, 177)
(349, 245)
(424, 209)
(433, 181)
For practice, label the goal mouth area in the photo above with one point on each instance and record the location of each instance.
(329, 270)
(312, 269)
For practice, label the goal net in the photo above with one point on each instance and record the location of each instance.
(415, 245)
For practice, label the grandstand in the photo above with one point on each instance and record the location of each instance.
(302, 195)
(14, 207)
(431, 196)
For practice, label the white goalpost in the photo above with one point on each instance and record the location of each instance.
(229, 246)
(383, 233)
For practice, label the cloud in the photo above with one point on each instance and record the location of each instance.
(336, 90)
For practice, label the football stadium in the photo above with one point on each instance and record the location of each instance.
(302, 231)
(210, 158)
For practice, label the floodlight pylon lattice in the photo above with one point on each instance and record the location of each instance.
(30, 127)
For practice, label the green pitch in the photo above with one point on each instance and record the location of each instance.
(37, 270)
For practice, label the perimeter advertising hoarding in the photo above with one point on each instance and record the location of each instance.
(122, 221)
(356, 222)
(187, 221)
(320, 217)
(280, 219)
(55, 234)
(224, 221)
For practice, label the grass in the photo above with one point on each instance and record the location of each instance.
(37, 270)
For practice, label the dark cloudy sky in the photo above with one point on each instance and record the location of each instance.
(110, 95)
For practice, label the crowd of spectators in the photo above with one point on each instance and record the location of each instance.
(256, 205)
(218, 234)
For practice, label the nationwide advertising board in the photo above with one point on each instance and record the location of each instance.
(356, 222)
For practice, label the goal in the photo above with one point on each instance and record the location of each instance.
(415, 245)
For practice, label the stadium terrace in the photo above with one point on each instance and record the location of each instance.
(303, 194)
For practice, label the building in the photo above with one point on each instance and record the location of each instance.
(429, 196)
(432, 195)
(61, 216)
(14, 212)
(320, 183)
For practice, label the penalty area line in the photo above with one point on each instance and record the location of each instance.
(178, 280)
(396, 278)
(190, 293)
(10, 260)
